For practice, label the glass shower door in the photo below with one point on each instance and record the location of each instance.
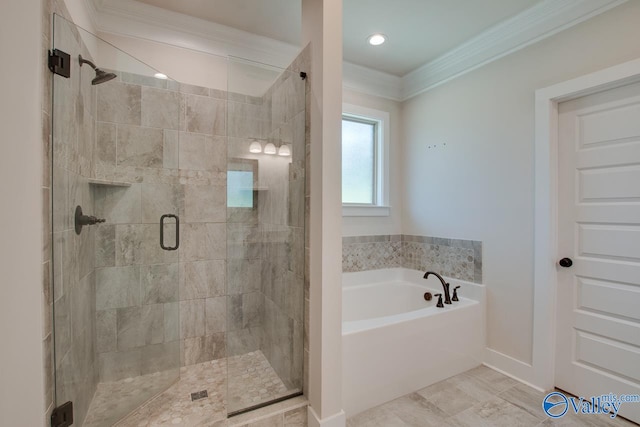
(265, 234)
(116, 206)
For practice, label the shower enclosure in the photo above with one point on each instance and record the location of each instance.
(178, 292)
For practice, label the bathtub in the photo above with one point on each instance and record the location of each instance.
(394, 342)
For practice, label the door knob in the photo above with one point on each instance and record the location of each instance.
(565, 262)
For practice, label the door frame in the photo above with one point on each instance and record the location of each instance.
(546, 209)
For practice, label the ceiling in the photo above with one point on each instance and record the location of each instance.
(418, 31)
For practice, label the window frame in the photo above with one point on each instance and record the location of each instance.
(380, 206)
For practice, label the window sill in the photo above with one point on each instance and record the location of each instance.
(364, 210)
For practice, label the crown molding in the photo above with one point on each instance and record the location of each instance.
(548, 17)
(371, 82)
(530, 26)
(143, 21)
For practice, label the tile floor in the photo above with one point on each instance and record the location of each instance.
(254, 382)
(480, 397)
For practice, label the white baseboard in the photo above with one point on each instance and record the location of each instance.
(336, 420)
(513, 368)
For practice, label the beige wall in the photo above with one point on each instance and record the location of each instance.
(480, 185)
(364, 226)
(21, 181)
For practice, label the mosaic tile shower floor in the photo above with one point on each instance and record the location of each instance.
(254, 381)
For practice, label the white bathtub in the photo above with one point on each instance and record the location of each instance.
(394, 342)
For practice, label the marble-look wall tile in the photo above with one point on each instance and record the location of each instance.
(84, 252)
(106, 330)
(216, 309)
(129, 330)
(61, 213)
(160, 108)
(243, 242)
(152, 325)
(246, 120)
(48, 372)
(192, 318)
(203, 349)
(160, 357)
(159, 283)
(120, 103)
(202, 279)
(152, 252)
(171, 321)
(204, 241)
(62, 322)
(140, 146)
(205, 115)
(170, 149)
(120, 365)
(106, 143)
(252, 309)
(244, 276)
(128, 244)
(105, 245)
(82, 307)
(199, 152)
(117, 287)
(205, 203)
(160, 199)
(234, 312)
(243, 341)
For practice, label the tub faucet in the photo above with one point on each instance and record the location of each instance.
(445, 286)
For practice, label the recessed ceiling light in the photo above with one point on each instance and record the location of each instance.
(160, 76)
(376, 39)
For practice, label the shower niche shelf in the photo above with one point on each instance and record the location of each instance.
(106, 183)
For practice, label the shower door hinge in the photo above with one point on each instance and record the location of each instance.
(60, 63)
(62, 416)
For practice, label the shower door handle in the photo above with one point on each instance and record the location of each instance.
(169, 248)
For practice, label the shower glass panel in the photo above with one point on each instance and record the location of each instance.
(116, 290)
(265, 234)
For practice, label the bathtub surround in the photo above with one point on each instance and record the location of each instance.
(460, 259)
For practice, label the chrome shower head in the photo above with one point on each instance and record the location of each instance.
(101, 76)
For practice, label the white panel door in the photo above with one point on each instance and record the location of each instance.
(598, 332)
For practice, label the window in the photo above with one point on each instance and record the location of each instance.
(359, 160)
(240, 189)
(242, 177)
(365, 138)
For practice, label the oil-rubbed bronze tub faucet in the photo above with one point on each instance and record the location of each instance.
(445, 286)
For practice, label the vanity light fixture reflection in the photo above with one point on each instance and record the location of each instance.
(270, 148)
(255, 147)
(284, 150)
